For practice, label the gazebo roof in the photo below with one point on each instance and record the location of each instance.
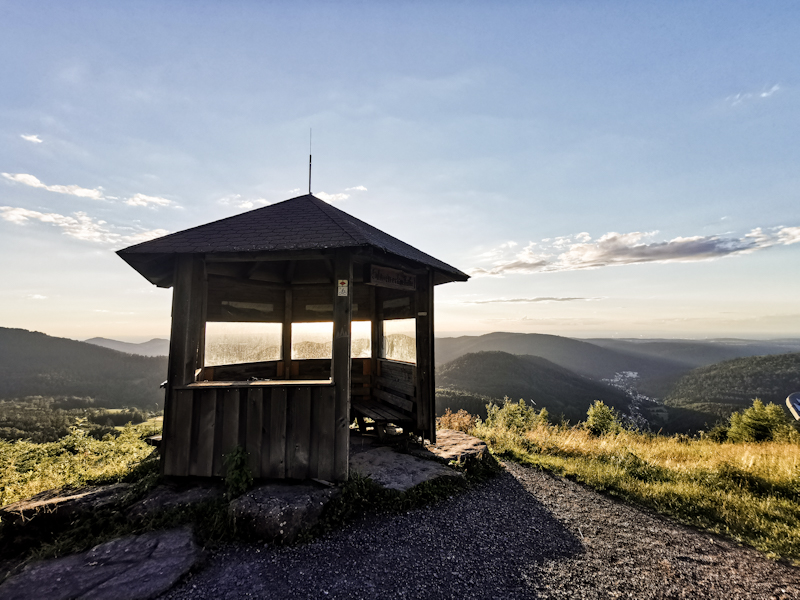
(298, 224)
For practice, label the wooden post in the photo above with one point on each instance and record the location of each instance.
(342, 316)
(426, 410)
(287, 336)
(377, 325)
(186, 340)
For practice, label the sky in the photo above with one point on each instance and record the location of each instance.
(604, 169)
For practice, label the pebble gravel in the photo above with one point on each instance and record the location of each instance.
(524, 534)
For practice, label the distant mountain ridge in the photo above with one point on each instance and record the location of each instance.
(532, 378)
(154, 347)
(35, 364)
(589, 360)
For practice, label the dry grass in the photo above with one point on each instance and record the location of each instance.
(460, 421)
(27, 468)
(749, 491)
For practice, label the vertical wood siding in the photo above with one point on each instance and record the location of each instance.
(289, 432)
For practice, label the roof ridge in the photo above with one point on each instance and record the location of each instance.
(333, 215)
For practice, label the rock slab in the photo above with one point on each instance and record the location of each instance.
(166, 497)
(137, 567)
(397, 471)
(278, 512)
(63, 504)
(458, 446)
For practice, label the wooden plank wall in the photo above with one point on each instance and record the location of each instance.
(289, 431)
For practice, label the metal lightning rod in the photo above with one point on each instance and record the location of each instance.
(309, 161)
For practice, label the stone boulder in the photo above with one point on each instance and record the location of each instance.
(458, 446)
(396, 471)
(167, 497)
(137, 567)
(278, 512)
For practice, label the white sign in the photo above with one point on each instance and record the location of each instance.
(342, 287)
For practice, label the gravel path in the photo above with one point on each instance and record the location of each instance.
(525, 534)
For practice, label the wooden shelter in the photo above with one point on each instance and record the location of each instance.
(245, 289)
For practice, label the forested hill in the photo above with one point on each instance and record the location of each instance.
(35, 364)
(732, 385)
(499, 374)
(656, 374)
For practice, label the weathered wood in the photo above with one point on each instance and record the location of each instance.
(380, 412)
(425, 391)
(397, 401)
(230, 421)
(360, 391)
(286, 346)
(396, 370)
(376, 333)
(298, 433)
(405, 387)
(203, 417)
(277, 433)
(188, 297)
(254, 436)
(342, 312)
(177, 452)
(325, 432)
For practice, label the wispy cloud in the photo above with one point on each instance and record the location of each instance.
(329, 198)
(529, 300)
(31, 138)
(37, 297)
(741, 97)
(142, 200)
(81, 226)
(577, 252)
(74, 190)
(237, 201)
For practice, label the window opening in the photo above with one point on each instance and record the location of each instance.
(400, 340)
(229, 343)
(361, 339)
(312, 340)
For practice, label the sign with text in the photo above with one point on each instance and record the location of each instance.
(391, 278)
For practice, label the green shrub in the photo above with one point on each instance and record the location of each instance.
(759, 423)
(602, 419)
(517, 418)
(238, 476)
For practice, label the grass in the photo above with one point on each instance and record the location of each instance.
(748, 491)
(76, 460)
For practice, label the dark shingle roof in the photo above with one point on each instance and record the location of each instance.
(302, 223)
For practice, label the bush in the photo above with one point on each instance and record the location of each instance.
(602, 419)
(460, 421)
(517, 418)
(760, 423)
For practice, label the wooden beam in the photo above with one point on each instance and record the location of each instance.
(186, 337)
(287, 336)
(426, 417)
(342, 315)
(288, 274)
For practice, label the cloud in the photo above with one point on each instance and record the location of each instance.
(37, 297)
(529, 300)
(31, 138)
(142, 200)
(741, 97)
(572, 253)
(81, 226)
(73, 190)
(329, 198)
